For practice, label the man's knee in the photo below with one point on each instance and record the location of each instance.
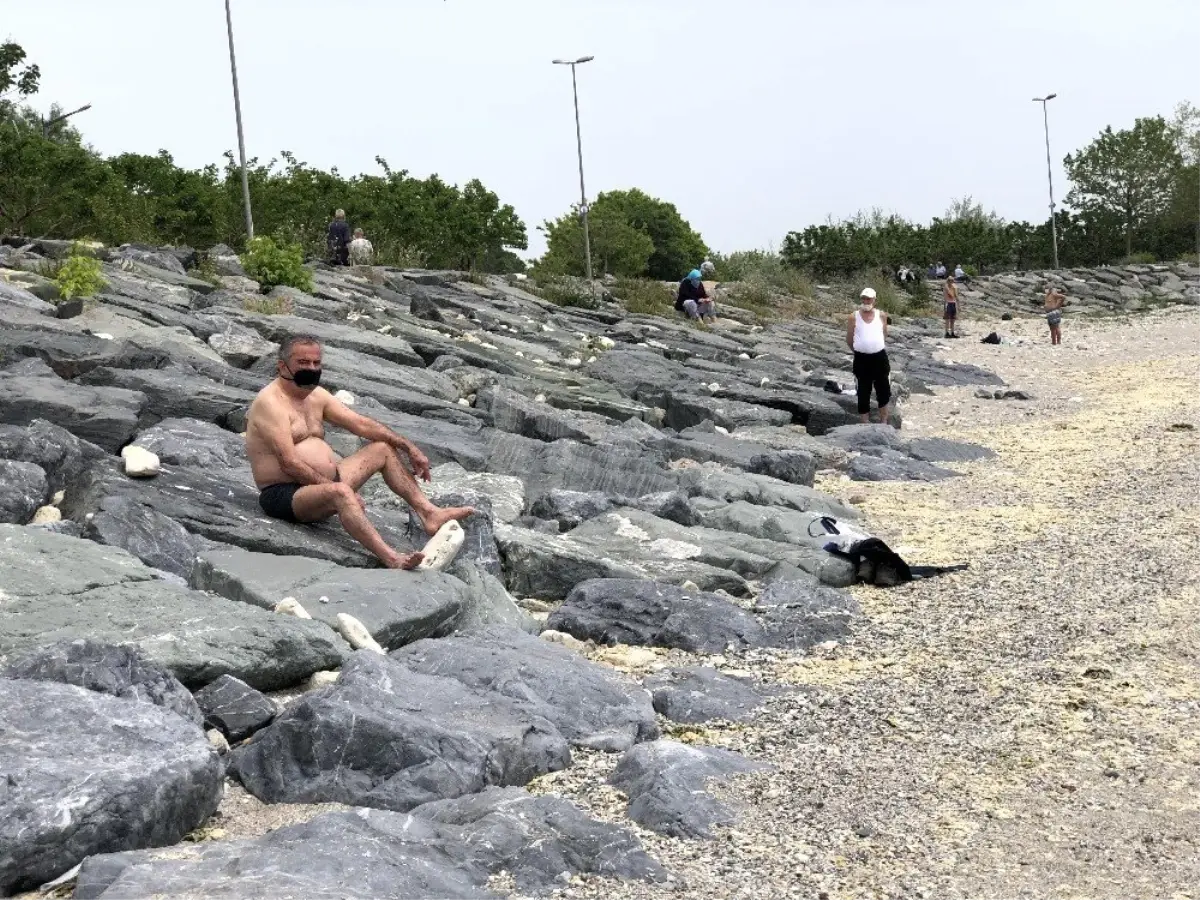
(343, 494)
(380, 452)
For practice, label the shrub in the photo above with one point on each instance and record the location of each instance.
(645, 296)
(765, 268)
(1190, 258)
(206, 270)
(567, 293)
(272, 264)
(1136, 259)
(80, 275)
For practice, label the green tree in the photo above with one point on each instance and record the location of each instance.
(1130, 173)
(15, 78)
(618, 248)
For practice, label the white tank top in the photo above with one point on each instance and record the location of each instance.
(868, 336)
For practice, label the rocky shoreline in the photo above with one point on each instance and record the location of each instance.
(639, 604)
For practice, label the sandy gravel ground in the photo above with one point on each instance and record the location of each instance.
(1029, 727)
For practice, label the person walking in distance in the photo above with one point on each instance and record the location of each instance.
(950, 296)
(1055, 300)
(337, 239)
(866, 335)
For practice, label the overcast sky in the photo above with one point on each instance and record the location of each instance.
(754, 117)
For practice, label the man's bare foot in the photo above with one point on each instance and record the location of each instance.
(436, 517)
(405, 561)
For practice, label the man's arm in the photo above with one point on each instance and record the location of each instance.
(272, 423)
(337, 413)
(850, 334)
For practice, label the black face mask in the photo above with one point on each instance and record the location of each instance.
(305, 378)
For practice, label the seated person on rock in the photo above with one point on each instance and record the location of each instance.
(693, 299)
(301, 479)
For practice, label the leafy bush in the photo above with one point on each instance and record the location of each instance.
(645, 296)
(80, 275)
(764, 267)
(1135, 259)
(272, 264)
(1190, 258)
(567, 293)
(206, 270)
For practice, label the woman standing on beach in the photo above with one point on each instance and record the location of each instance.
(1055, 300)
(866, 335)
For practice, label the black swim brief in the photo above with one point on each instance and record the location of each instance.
(276, 499)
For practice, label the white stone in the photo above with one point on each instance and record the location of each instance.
(606, 343)
(217, 740)
(720, 429)
(58, 498)
(103, 335)
(345, 397)
(46, 514)
(743, 356)
(540, 398)
(690, 586)
(765, 380)
(321, 679)
(591, 359)
(443, 547)
(463, 401)
(574, 361)
(291, 606)
(140, 462)
(355, 632)
(561, 637)
(714, 387)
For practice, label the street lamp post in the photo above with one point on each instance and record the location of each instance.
(46, 123)
(237, 108)
(1049, 175)
(583, 206)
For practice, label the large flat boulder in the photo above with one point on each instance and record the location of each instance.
(700, 694)
(88, 773)
(445, 849)
(347, 337)
(385, 736)
(797, 615)
(56, 451)
(665, 782)
(717, 483)
(175, 391)
(105, 416)
(396, 607)
(61, 588)
(121, 670)
(590, 704)
(70, 354)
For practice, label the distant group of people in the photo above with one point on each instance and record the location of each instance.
(345, 250)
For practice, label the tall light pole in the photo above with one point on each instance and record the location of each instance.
(1049, 175)
(237, 108)
(46, 123)
(583, 207)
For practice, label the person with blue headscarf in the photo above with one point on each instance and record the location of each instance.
(693, 299)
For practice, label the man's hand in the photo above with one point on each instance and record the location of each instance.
(420, 463)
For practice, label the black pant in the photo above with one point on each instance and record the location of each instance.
(872, 370)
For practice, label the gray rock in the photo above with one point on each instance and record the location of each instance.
(517, 414)
(590, 704)
(371, 343)
(23, 488)
(157, 259)
(396, 607)
(120, 670)
(665, 783)
(385, 736)
(700, 694)
(489, 602)
(234, 707)
(627, 611)
(191, 442)
(423, 306)
(240, 346)
(226, 261)
(570, 508)
(158, 541)
(176, 391)
(613, 469)
(62, 588)
(87, 773)
(445, 849)
(892, 465)
(933, 449)
(13, 295)
(105, 416)
(865, 437)
(70, 354)
(61, 455)
(716, 483)
(506, 493)
(673, 506)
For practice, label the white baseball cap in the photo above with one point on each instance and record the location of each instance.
(868, 292)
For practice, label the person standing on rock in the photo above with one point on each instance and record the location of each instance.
(299, 476)
(361, 251)
(866, 335)
(1053, 305)
(337, 239)
(693, 298)
(950, 296)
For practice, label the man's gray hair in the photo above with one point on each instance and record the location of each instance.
(340, 214)
(296, 340)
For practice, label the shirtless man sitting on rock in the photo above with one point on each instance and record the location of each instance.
(301, 479)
